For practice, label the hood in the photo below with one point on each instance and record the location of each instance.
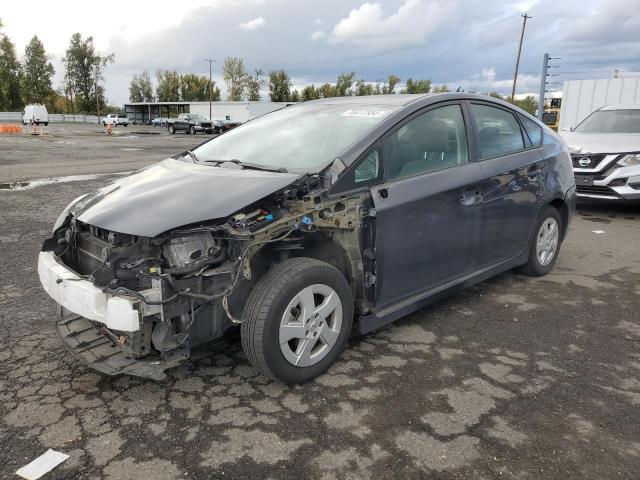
(601, 142)
(173, 193)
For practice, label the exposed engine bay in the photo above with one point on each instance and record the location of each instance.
(189, 285)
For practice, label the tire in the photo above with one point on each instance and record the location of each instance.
(172, 129)
(46, 124)
(193, 130)
(125, 124)
(538, 263)
(322, 338)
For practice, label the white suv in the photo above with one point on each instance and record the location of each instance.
(115, 120)
(605, 151)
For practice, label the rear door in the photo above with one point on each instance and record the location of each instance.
(428, 211)
(513, 169)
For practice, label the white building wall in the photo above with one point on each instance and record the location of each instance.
(581, 97)
(235, 111)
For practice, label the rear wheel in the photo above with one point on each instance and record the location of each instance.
(545, 246)
(297, 320)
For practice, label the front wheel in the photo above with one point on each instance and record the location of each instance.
(172, 130)
(297, 320)
(545, 246)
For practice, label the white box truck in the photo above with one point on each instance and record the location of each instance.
(581, 97)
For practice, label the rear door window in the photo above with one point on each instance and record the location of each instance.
(497, 131)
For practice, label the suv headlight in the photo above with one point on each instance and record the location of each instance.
(629, 160)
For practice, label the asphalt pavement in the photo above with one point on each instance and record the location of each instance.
(516, 378)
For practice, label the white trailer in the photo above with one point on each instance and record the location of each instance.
(581, 97)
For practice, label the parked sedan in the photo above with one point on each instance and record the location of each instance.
(605, 148)
(302, 225)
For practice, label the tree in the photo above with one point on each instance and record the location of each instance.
(279, 86)
(141, 88)
(440, 89)
(364, 88)
(135, 91)
(295, 96)
(168, 88)
(344, 84)
(235, 76)
(253, 83)
(195, 88)
(417, 86)
(392, 81)
(84, 69)
(529, 104)
(37, 73)
(327, 90)
(10, 74)
(310, 92)
(496, 95)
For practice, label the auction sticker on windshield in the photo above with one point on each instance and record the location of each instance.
(364, 112)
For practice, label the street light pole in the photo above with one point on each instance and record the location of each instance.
(525, 17)
(210, 60)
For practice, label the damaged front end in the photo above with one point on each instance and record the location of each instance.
(139, 305)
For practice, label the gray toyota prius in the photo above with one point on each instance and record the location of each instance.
(303, 226)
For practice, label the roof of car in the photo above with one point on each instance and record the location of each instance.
(622, 106)
(393, 99)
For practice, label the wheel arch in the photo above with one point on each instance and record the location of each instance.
(562, 207)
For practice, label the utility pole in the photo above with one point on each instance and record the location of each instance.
(543, 85)
(525, 17)
(210, 60)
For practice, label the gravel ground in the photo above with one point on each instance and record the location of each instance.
(515, 378)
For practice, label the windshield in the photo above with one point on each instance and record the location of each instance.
(300, 138)
(197, 117)
(611, 121)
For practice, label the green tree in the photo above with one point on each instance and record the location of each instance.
(279, 86)
(235, 77)
(392, 81)
(295, 96)
(253, 84)
(146, 87)
(417, 86)
(10, 75)
(529, 104)
(310, 92)
(344, 84)
(327, 90)
(135, 91)
(440, 89)
(84, 69)
(195, 88)
(37, 73)
(496, 95)
(364, 88)
(168, 88)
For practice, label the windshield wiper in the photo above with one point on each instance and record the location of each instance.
(249, 166)
(192, 155)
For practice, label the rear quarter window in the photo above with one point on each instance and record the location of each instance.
(534, 131)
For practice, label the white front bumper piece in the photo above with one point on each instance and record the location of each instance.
(83, 298)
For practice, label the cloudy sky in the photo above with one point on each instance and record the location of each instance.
(467, 43)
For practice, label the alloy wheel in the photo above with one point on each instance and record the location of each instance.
(547, 241)
(310, 325)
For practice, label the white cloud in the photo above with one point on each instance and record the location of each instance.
(318, 35)
(254, 24)
(414, 21)
(489, 73)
